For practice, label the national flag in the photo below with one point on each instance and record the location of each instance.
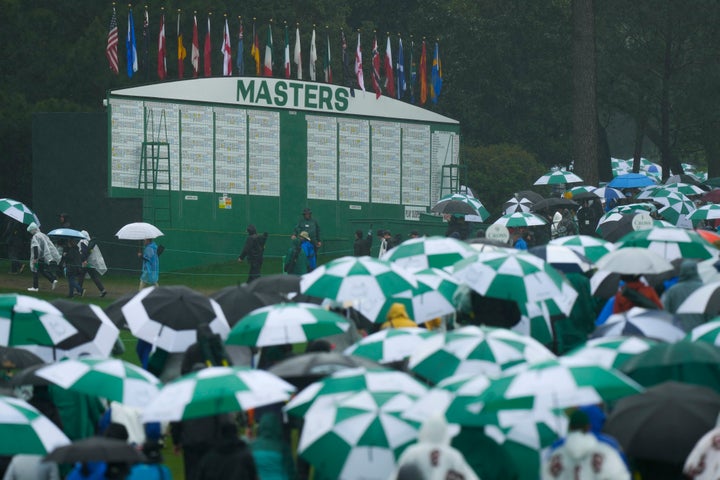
(358, 66)
(313, 58)
(162, 60)
(287, 53)
(132, 61)
(195, 50)
(436, 76)
(111, 50)
(226, 50)
(389, 75)
(255, 51)
(145, 45)
(376, 69)
(241, 48)
(400, 71)
(297, 54)
(413, 72)
(182, 53)
(206, 52)
(423, 74)
(268, 64)
(347, 76)
(327, 62)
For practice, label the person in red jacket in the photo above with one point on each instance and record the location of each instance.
(635, 293)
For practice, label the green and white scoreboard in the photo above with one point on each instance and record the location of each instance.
(209, 156)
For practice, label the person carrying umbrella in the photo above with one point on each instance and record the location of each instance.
(44, 257)
(151, 264)
(635, 293)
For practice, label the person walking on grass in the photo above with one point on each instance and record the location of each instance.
(73, 268)
(253, 250)
(151, 264)
(93, 262)
(44, 258)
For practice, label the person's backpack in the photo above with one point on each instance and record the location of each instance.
(638, 299)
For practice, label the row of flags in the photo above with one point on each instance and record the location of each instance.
(395, 83)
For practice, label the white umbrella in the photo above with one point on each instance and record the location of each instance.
(654, 324)
(138, 231)
(520, 219)
(705, 299)
(634, 261)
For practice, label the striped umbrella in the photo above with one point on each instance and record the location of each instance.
(517, 205)
(459, 203)
(609, 352)
(557, 177)
(428, 252)
(563, 258)
(676, 208)
(705, 300)
(711, 211)
(670, 243)
(591, 247)
(581, 189)
(434, 296)
(286, 323)
(19, 211)
(653, 324)
(24, 430)
(520, 219)
(707, 332)
(390, 345)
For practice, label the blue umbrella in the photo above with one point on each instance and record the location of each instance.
(67, 233)
(631, 180)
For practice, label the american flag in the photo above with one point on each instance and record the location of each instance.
(111, 51)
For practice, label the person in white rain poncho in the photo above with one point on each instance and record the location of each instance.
(44, 257)
(93, 262)
(433, 456)
(703, 463)
(583, 456)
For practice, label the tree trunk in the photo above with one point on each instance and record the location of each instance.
(585, 119)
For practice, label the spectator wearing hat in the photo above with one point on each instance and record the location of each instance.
(362, 246)
(44, 257)
(308, 224)
(253, 250)
(308, 247)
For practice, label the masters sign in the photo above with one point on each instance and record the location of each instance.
(292, 95)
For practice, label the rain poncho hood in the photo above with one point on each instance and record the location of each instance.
(688, 271)
(434, 430)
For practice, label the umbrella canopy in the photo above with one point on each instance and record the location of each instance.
(113, 379)
(520, 219)
(23, 429)
(563, 258)
(167, 317)
(654, 324)
(474, 350)
(433, 297)
(12, 358)
(97, 449)
(67, 233)
(358, 437)
(552, 204)
(696, 363)
(534, 197)
(428, 252)
(138, 231)
(365, 281)
(664, 422)
(18, 211)
(514, 275)
(96, 333)
(631, 180)
(711, 211)
(707, 332)
(34, 325)
(686, 188)
(216, 390)
(705, 299)
(458, 203)
(557, 177)
(517, 205)
(687, 179)
(390, 345)
(236, 301)
(286, 323)
(114, 310)
(611, 352)
(676, 208)
(582, 190)
(608, 193)
(670, 243)
(634, 261)
(591, 247)
(302, 370)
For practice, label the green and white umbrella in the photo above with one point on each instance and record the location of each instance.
(520, 219)
(608, 352)
(428, 252)
(670, 243)
(592, 247)
(461, 204)
(676, 208)
(390, 345)
(707, 332)
(352, 380)
(109, 378)
(711, 211)
(216, 390)
(434, 296)
(515, 275)
(34, 325)
(24, 430)
(581, 189)
(536, 322)
(19, 211)
(474, 350)
(286, 323)
(557, 177)
(366, 282)
(358, 437)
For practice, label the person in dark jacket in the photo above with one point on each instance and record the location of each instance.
(198, 437)
(73, 268)
(362, 246)
(231, 459)
(253, 250)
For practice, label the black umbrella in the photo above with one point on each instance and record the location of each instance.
(664, 422)
(614, 230)
(237, 301)
(96, 333)
(288, 286)
(97, 449)
(454, 207)
(534, 197)
(17, 358)
(27, 376)
(114, 310)
(302, 370)
(553, 203)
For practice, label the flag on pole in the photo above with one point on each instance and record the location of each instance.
(182, 53)
(226, 50)
(255, 51)
(413, 72)
(240, 60)
(436, 84)
(162, 59)
(423, 74)
(327, 66)
(287, 53)
(111, 50)
(389, 75)
(376, 69)
(313, 58)
(132, 61)
(195, 50)
(297, 54)
(358, 66)
(146, 45)
(400, 71)
(206, 52)
(268, 64)
(347, 76)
